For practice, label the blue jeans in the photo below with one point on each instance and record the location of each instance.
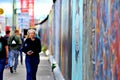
(13, 58)
(31, 67)
(2, 65)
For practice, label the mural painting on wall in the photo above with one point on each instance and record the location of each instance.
(93, 35)
(77, 40)
(115, 38)
(44, 33)
(57, 30)
(51, 30)
(77, 35)
(105, 44)
(63, 23)
(64, 37)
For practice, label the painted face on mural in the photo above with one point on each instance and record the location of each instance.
(77, 37)
(77, 32)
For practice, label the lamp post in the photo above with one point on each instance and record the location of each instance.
(14, 15)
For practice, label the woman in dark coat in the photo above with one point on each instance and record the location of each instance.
(32, 48)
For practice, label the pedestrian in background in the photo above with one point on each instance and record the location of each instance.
(32, 48)
(7, 35)
(14, 43)
(3, 55)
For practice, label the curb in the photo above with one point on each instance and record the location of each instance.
(56, 71)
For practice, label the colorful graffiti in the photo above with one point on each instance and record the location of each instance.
(65, 36)
(106, 55)
(77, 26)
(43, 33)
(95, 39)
(50, 30)
(57, 31)
(87, 48)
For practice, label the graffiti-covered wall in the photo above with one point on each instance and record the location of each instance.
(65, 36)
(51, 30)
(84, 37)
(106, 39)
(87, 72)
(77, 31)
(43, 33)
(57, 25)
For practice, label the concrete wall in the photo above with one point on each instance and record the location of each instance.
(87, 72)
(77, 38)
(106, 40)
(85, 39)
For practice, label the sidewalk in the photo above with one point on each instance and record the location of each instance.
(44, 71)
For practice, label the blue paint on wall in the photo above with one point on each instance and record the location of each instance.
(77, 27)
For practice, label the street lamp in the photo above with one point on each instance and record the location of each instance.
(14, 15)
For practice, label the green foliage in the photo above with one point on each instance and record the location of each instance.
(53, 66)
(44, 48)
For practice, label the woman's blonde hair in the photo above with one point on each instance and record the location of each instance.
(31, 30)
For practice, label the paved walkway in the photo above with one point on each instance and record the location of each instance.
(44, 71)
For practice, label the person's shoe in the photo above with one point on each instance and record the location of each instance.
(14, 71)
(11, 69)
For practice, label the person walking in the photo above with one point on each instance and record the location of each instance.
(3, 55)
(32, 48)
(14, 43)
(7, 35)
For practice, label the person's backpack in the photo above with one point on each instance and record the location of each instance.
(14, 42)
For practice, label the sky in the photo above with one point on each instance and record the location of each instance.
(41, 8)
